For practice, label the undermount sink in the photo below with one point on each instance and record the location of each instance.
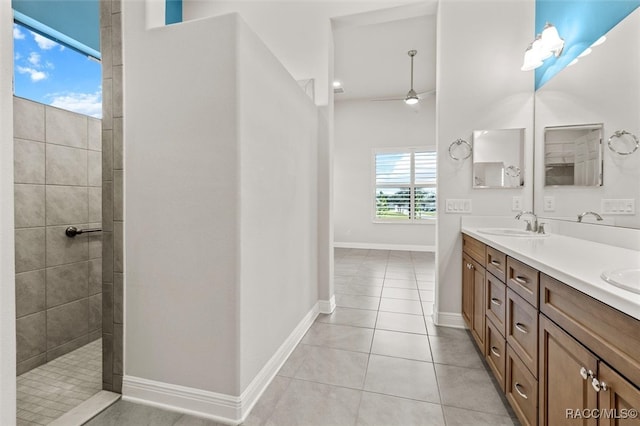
(511, 232)
(626, 278)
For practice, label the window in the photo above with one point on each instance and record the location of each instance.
(54, 74)
(405, 185)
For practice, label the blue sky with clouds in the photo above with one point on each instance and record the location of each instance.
(49, 73)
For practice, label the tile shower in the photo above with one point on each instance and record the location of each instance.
(58, 180)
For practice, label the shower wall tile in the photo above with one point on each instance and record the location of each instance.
(117, 195)
(28, 161)
(118, 298)
(65, 128)
(31, 363)
(95, 205)
(117, 349)
(107, 205)
(30, 292)
(29, 246)
(95, 242)
(118, 264)
(29, 205)
(116, 48)
(118, 163)
(95, 168)
(95, 276)
(107, 154)
(67, 347)
(107, 100)
(107, 308)
(117, 90)
(67, 283)
(53, 190)
(31, 336)
(66, 166)
(107, 257)
(105, 46)
(95, 312)
(62, 249)
(28, 119)
(107, 358)
(67, 322)
(67, 204)
(94, 134)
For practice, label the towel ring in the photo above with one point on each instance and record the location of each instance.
(457, 143)
(617, 135)
(512, 171)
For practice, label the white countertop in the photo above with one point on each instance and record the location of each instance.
(576, 262)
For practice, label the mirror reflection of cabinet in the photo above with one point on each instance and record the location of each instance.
(498, 158)
(573, 155)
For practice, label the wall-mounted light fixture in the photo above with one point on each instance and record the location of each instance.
(546, 44)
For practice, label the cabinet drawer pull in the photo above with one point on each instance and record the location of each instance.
(598, 385)
(522, 394)
(585, 373)
(521, 279)
(496, 302)
(469, 266)
(495, 262)
(494, 351)
(521, 328)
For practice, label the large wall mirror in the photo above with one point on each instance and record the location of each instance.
(603, 87)
(498, 158)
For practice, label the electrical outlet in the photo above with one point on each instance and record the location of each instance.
(549, 204)
(516, 204)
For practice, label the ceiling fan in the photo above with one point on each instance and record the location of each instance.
(412, 97)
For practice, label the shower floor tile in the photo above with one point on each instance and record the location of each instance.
(47, 392)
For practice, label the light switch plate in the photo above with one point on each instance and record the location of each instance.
(549, 204)
(618, 206)
(516, 204)
(457, 205)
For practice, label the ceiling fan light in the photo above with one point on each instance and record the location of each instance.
(411, 98)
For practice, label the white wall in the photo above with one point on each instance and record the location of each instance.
(278, 203)
(7, 283)
(361, 127)
(181, 211)
(480, 86)
(590, 93)
(221, 240)
(297, 32)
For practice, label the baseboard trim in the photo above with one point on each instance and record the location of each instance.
(327, 306)
(372, 246)
(449, 319)
(223, 408)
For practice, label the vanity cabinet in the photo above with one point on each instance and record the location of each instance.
(553, 349)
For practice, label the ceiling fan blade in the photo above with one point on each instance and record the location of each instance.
(386, 99)
(423, 95)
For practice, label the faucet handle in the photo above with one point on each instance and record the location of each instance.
(528, 222)
(541, 228)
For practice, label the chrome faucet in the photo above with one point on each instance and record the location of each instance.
(597, 216)
(530, 226)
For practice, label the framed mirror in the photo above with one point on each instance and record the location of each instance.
(602, 87)
(573, 155)
(498, 158)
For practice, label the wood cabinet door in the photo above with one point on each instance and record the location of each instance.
(478, 318)
(467, 289)
(562, 389)
(617, 399)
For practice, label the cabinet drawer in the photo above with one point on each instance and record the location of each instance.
(496, 263)
(523, 280)
(495, 347)
(495, 305)
(522, 330)
(521, 389)
(607, 332)
(474, 248)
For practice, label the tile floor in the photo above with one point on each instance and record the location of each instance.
(47, 392)
(377, 360)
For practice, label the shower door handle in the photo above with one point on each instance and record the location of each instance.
(72, 231)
